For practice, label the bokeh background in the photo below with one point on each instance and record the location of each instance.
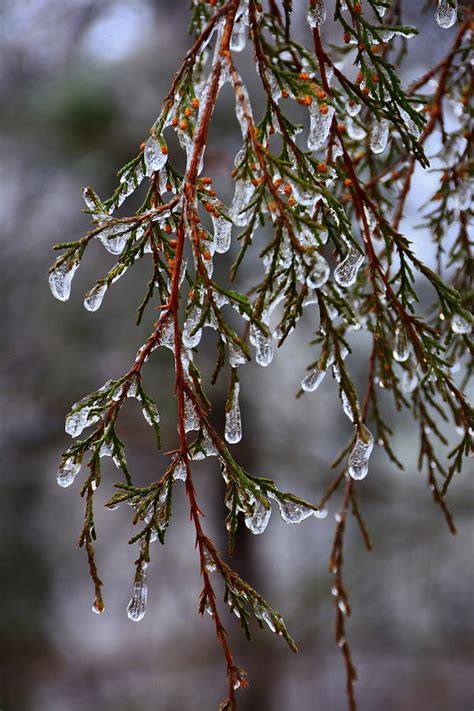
(80, 83)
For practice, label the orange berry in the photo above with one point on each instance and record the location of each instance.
(169, 186)
(357, 7)
(365, 90)
(188, 112)
(171, 263)
(183, 125)
(206, 181)
(277, 183)
(164, 150)
(142, 146)
(347, 182)
(346, 37)
(174, 122)
(291, 201)
(287, 189)
(359, 78)
(322, 168)
(195, 103)
(173, 243)
(206, 255)
(321, 94)
(168, 229)
(323, 109)
(305, 100)
(374, 78)
(284, 94)
(304, 76)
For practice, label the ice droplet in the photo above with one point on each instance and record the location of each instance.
(242, 196)
(136, 608)
(239, 35)
(401, 351)
(460, 325)
(320, 124)
(263, 344)
(191, 417)
(155, 156)
(209, 563)
(151, 414)
(76, 421)
(319, 274)
(98, 607)
(222, 233)
(316, 13)
(94, 297)
(191, 339)
(291, 512)
(257, 519)
(236, 355)
(68, 469)
(409, 381)
(353, 108)
(358, 461)
(114, 238)
(313, 379)
(379, 136)
(179, 472)
(233, 421)
(60, 279)
(446, 13)
(346, 271)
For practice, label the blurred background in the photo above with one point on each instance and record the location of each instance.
(81, 81)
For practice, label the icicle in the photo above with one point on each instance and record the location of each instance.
(446, 13)
(312, 381)
(114, 238)
(151, 414)
(98, 607)
(77, 421)
(60, 279)
(356, 132)
(401, 351)
(291, 512)
(106, 449)
(190, 339)
(222, 233)
(353, 108)
(191, 417)
(68, 470)
(346, 271)
(155, 156)
(320, 124)
(409, 381)
(358, 461)
(242, 197)
(319, 274)
(238, 38)
(243, 109)
(460, 325)
(233, 422)
(94, 297)
(179, 472)
(236, 355)
(316, 13)
(379, 136)
(257, 519)
(346, 406)
(263, 345)
(137, 606)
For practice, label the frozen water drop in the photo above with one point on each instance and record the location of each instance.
(136, 608)
(319, 274)
(60, 279)
(313, 379)
(321, 116)
(401, 351)
(358, 461)
(379, 136)
(94, 297)
(155, 156)
(460, 325)
(222, 233)
(98, 607)
(257, 519)
(263, 344)
(292, 512)
(68, 470)
(446, 13)
(316, 13)
(346, 271)
(233, 421)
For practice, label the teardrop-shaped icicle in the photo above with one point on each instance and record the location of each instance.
(313, 379)
(136, 608)
(460, 325)
(358, 461)
(155, 156)
(401, 350)
(346, 271)
(379, 136)
(257, 519)
(68, 470)
(446, 13)
(60, 280)
(233, 421)
(292, 512)
(316, 13)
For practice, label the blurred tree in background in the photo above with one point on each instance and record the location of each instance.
(80, 82)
